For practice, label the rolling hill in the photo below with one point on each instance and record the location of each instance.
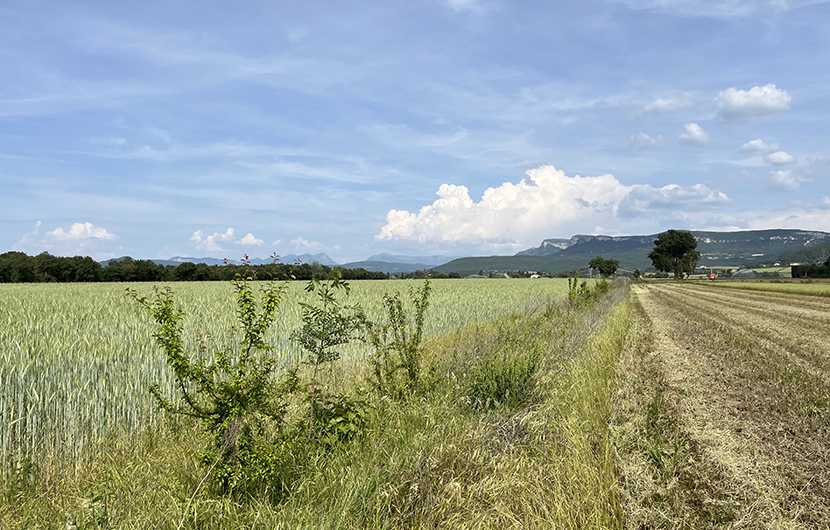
(810, 255)
(716, 248)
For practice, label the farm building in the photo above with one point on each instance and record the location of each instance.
(746, 273)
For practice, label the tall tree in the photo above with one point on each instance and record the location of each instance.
(606, 267)
(674, 251)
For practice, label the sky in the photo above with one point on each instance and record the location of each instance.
(455, 127)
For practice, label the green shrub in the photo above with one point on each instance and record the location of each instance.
(396, 363)
(233, 391)
(503, 376)
(325, 326)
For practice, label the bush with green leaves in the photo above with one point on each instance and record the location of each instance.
(504, 375)
(396, 363)
(238, 392)
(326, 326)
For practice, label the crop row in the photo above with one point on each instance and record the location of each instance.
(76, 359)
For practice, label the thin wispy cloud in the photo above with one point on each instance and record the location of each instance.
(310, 127)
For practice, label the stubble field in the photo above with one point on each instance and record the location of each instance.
(733, 409)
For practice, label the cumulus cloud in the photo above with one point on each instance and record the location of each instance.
(779, 158)
(80, 238)
(694, 135)
(748, 105)
(644, 141)
(211, 242)
(784, 181)
(249, 239)
(547, 201)
(667, 104)
(758, 147)
(79, 232)
(642, 199)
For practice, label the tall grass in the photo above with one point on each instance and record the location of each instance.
(76, 359)
(536, 456)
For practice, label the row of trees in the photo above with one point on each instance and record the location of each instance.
(812, 271)
(17, 267)
(674, 251)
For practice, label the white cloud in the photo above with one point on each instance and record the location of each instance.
(547, 201)
(747, 105)
(301, 244)
(211, 242)
(464, 5)
(642, 199)
(758, 147)
(80, 232)
(724, 9)
(784, 181)
(113, 141)
(81, 238)
(249, 239)
(644, 141)
(694, 135)
(667, 104)
(779, 158)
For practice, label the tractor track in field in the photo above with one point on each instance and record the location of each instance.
(750, 372)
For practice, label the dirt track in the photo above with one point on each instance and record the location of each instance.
(749, 374)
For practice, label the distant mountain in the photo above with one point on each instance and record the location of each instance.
(716, 248)
(467, 266)
(385, 266)
(289, 258)
(810, 255)
(547, 248)
(429, 261)
(156, 261)
(322, 257)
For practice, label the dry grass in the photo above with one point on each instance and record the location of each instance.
(727, 424)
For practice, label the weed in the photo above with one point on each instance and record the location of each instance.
(396, 363)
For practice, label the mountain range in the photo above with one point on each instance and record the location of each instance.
(720, 249)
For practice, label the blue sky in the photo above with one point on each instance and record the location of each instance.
(456, 127)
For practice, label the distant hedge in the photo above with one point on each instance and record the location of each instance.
(18, 267)
(812, 271)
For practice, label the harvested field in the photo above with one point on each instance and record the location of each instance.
(794, 286)
(725, 419)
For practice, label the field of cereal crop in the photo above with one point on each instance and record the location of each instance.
(76, 359)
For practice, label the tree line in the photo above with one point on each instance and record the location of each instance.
(18, 267)
(812, 271)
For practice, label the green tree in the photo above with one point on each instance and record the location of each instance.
(674, 251)
(234, 391)
(606, 267)
(326, 326)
